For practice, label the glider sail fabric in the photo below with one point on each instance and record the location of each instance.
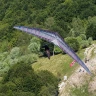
(54, 38)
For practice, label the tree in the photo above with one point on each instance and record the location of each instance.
(73, 43)
(91, 31)
(34, 46)
(44, 91)
(57, 49)
(91, 20)
(90, 40)
(84, 44)
(49, 84)
(77, 27)
(23, 81)
(50, 22)
(15, 52)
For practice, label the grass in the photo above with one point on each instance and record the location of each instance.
(1, 78)
(59, 64)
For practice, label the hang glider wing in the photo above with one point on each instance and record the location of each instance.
(56, 39)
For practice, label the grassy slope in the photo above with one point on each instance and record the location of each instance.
(59, 64)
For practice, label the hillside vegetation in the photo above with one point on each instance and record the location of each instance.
(74, 20)
(67, 17)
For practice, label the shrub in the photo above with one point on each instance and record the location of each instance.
(90, 40)
(22, 80)
(15, 52)
(84, 44)
(83, 36)
(73, 43)
(29, 59)
(34, 46)
(57, 49)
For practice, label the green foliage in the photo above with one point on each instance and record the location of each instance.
(44, 91)
(90, 32)
(28, 80)
(34, 46)
(3, 56)
(77, 27)
(9, 59)
(22, 80)
(83, 36)
(15, 52)
(8, 86)
(67, 17)
(29, 58)
(92, 20)
(79, 39)
(23, 94)
(73, 43)
(48, 91)
(35, 39)
(90, 40)
(84, 44)
(44, 14)
(57, 49)
(82, 91)
(55, 15)
(4, 46)
(50, 22)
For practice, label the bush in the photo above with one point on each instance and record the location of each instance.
(8, 86)
(49, 84)
(83, 36)
(73, 43)
(22, 80)
(15, 52)
(57, 50)
(1, 94)
(3, 46)
(44, 91)
(84, 44)
(90, 40)
(34, 46)
(29, 59)
(23, 94)
(91, 31)
(82, 91)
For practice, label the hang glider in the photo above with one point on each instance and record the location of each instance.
(54, 38)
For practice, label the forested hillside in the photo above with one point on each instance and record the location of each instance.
(74, 20)
(67, 17)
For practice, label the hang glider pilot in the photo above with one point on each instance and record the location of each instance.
(47, 50)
